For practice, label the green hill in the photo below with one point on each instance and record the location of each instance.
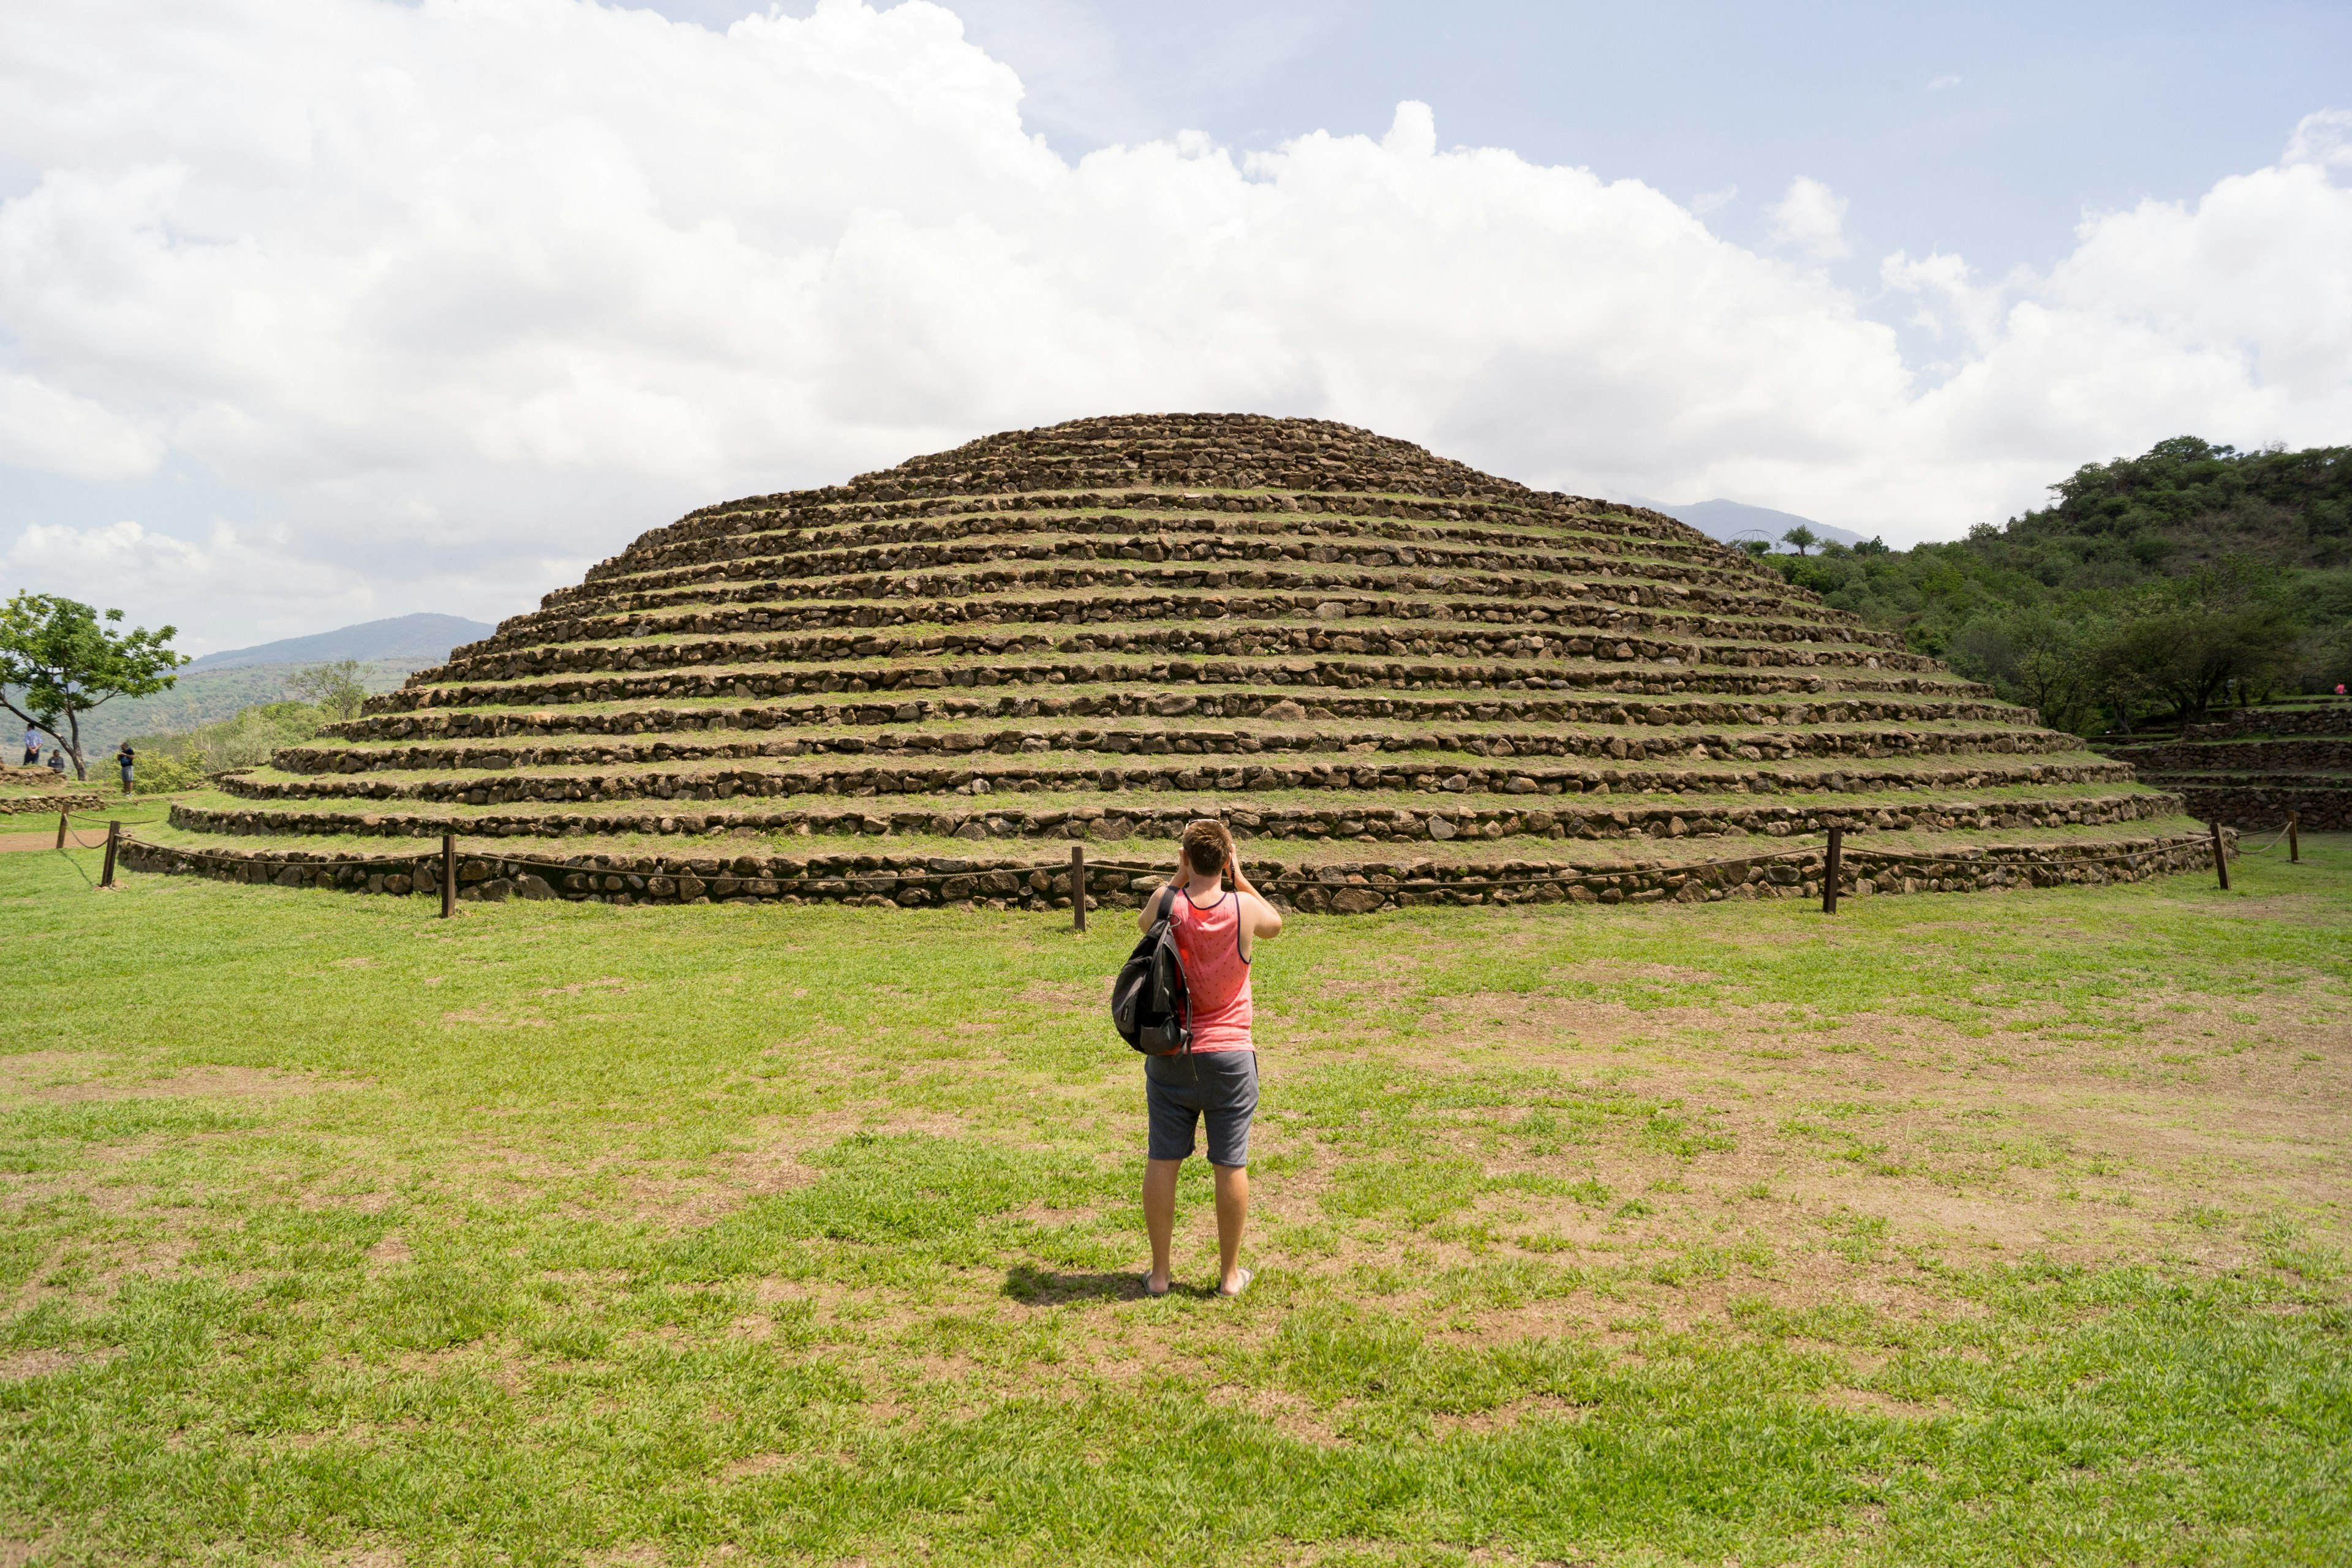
(2155, 584)
(207, 697)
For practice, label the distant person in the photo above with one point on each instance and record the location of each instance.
(58, 761)
(1216, 929)
(32, 747)
(125, 759)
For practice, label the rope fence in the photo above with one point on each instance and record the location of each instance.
(582, 877)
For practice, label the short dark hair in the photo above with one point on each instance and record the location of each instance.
(1204, 846)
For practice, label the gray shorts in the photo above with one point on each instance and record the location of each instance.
(1182, 1088)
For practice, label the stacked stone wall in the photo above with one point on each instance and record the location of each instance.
(2333, 720)
(762, 783)
(1685, 712)
(49, 804)
(1700, 819)
(1337, 887)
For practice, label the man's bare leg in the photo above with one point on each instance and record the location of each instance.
(1160, 1213)
(1232, 1213)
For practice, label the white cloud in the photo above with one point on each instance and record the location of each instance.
(123, 564)
(42, 427)
(1811, 218)
(1706, 202)
(469, 292)
(1943, 83)
(2325, 138)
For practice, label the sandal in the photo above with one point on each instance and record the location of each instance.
(1246, 1276)
(1155, 1295)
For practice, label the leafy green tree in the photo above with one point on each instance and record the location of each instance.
(59, 659)
(335, 689)
(2187, 642)
(1801, 538)
(2034, 656)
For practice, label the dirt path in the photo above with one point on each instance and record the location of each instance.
(47, 838)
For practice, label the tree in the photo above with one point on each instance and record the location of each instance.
(2032, 655)
(2193, 638)
(336, 687)
(1801, 538)
(59, 659)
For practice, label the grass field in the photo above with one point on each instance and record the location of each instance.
(1990, 1229)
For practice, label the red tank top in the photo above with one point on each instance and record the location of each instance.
(1216, 976)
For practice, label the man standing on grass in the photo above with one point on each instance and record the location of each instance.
(1216, 927)
(126, 759)
(32, 747)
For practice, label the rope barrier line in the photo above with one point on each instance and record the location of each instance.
(2274, 843)
(555, 870)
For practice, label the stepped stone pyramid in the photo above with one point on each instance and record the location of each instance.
(1398, 679)
(2251, 768)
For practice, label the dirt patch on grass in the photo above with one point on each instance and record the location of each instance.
(55, 1083)
(612, 985)
(25, 1364)
(32, 1073)
(489, 1019)
(1868, 1402)
(1064, 997)
(1969, 1141)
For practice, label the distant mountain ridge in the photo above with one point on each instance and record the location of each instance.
(220, 684)
(1727, 520)
(424, 638)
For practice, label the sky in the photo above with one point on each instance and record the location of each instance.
(316, 313)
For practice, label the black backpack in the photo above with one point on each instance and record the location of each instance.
(1148, 1005)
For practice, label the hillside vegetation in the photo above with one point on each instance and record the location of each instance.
(184, 759)
(211, 697)
(2151, 586)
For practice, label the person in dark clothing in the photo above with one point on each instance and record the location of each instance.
(32, 747)
(125, 759)
(58, 761)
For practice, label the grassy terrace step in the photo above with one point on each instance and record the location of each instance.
(2224, 779)
(1459, 772)
(1122, 815)
(1326, 676)
(2300, 753)
(1338, 887)
(1214, 559)
(1637, 834)
(1175, 736)
(714, 713)
(1613, 541)
(968, 600)
(1118, 536)
(1552, 647)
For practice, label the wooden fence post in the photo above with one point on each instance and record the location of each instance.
(448, 875)
(2221, 860)
(2293, 844)
(1078, 886)
(113, 837)
(1830, 869)
(61, 830)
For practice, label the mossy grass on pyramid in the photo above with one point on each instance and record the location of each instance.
(1396, 678)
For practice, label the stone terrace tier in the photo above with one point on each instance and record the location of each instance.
(2255, 767)
(1101, 629)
